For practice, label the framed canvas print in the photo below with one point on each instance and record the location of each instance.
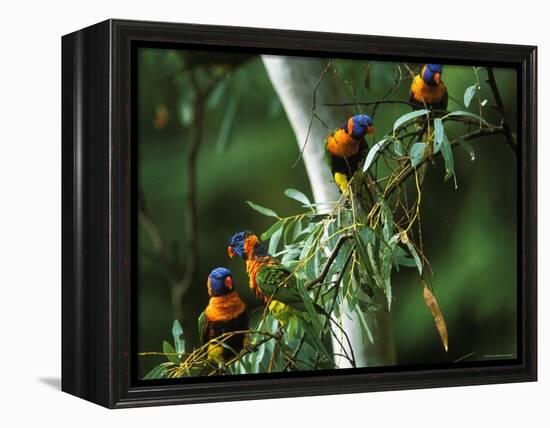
(257, 213)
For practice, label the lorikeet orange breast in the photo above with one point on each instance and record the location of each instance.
(268, 278)
(428, 90)
(226, 313)
(275, 285)
(346, 148)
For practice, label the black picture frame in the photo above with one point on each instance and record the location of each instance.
(98, 242)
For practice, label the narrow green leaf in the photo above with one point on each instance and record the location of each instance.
(179, 343)
(158, 372)
(405, 261)
(468, 114)
(469, 149)
(415, 255)
(297, 230)
(274, 228)
(308, 303)
(227, 124)
(398, 148)
(417, 153)
(297, 196)
(373, 152)
(262, 210)
(409, 116)
(216, 95)
(364, 325)
(447, 153)
(366, 235)
(308, 244)
(168, 349)
(439, 133)
(274, 241)
(469, 94)
(386, 275)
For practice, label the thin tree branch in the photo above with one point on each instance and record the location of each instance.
(505, 124)
(370, 103)
(341, 241)
(409, 170)
(313, 111)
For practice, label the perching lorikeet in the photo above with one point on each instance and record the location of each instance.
(428, 90)
(225, 313)
(277, 287)
(270, 281)
(346, 148)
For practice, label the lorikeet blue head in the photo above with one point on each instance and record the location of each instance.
(359, 125)
(431, 74)
(220, 282)
(245, 244)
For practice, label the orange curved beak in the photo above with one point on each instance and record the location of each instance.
(437, 78)
(230, 252)
(229, 283)
(370, 130)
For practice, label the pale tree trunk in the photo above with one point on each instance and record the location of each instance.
(294, 80)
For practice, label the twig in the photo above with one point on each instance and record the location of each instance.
(313, 111)
(409, 170)
(190, 192)
(505, 124)
(296, 352)
(341, 241)
(369, 103)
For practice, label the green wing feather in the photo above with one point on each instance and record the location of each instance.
(276, 280)
(202, 326)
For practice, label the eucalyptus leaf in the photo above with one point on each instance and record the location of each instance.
(364, 325)
(387, 218)
(227, 124)
(179, 343)
(308, 303)
(168, 349)
(439, 133)
(158, 372)
(415, 255)
(298, 196)
(297, 230)
(405, 261)
(398, 148)
(469, 149)
(409, 116)
(469, 94)
(447, 153)
(274, 241)
(216, 95)
(417, 153)
(468, 114)
(274, 228)
(373, 152)
(262, 210)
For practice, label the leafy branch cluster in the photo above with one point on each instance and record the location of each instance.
(343, 253)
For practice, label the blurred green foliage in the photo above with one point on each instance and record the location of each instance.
(469, 234)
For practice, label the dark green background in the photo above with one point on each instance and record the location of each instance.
(469, 233)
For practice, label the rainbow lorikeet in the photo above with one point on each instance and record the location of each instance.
(346, 148)
(270, 281)
(225, 313)
(428, 90)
